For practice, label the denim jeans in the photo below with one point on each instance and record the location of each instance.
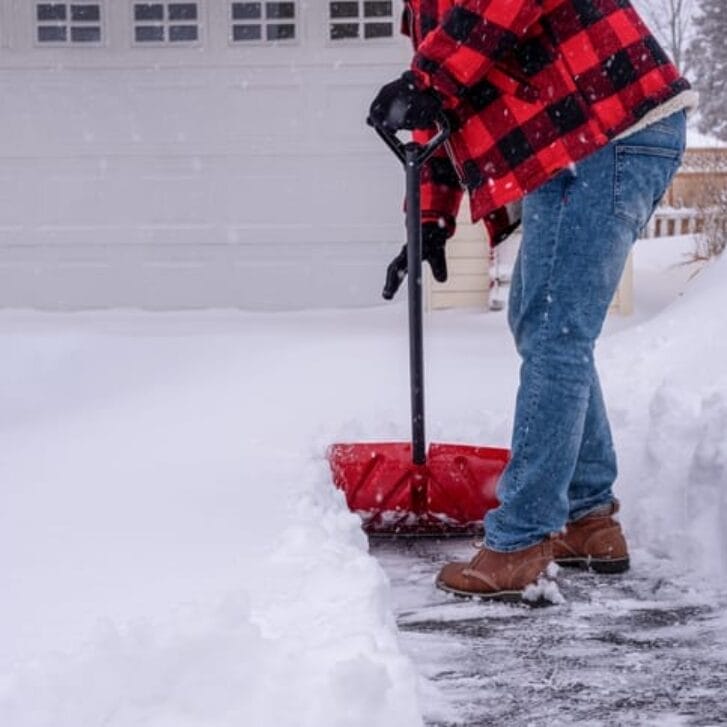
(578, 230)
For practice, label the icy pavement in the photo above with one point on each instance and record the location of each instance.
(644, 648)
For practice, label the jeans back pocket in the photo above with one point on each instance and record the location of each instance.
(643, 175)
(645, 165)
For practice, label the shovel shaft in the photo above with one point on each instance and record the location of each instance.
(413, 156)
(413, 166)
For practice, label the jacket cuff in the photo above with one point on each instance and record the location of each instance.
(445, 222)
(502, 222)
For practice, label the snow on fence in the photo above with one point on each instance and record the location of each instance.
(671, 222)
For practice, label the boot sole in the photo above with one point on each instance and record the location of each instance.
(498, 596)
(611, 566)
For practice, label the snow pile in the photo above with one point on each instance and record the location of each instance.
(173, 553)
(315, 652)
(667, 387)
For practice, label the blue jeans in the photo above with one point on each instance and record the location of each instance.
(577, 233)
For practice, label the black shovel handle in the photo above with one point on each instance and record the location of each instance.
(424, 151)
(413, 156)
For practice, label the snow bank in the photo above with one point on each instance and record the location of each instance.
(667, 388)
(174, 553)
(318, 649)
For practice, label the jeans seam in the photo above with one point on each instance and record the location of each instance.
(516, 548)
(616, 179)
(660, 127)
(590, 509)
(648, 150)
(542, 329)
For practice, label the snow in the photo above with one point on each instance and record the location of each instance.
(545, 591)
(174, 553)
(698, 140)
(171, 552)
(673, 416)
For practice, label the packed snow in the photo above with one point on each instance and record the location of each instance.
(172, 552)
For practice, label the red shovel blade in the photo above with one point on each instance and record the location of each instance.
(449, 495)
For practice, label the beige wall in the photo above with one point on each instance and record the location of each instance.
(701, 180)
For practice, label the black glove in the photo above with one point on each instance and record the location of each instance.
(434, 239)
(401, 104)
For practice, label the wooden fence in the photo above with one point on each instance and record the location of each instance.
(671, 222)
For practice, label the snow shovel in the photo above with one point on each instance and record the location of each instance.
(400, 488)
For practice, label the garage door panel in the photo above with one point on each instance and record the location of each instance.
(115, 201)
(256, 110)
(142, 198)
(214, 175)
(88, 116)
(347, 100)
(45, 115)
(115, 275)
(169, 112)
(244, 194)
(302, 190)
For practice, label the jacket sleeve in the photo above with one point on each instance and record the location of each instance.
(440, 188)
(441, 191)
(406, 19)
(471, 37)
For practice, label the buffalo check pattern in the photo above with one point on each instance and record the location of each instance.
(531, 87)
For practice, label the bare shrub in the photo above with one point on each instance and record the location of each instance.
(712, 239)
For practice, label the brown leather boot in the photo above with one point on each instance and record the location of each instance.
(595, 541)
(498, 576)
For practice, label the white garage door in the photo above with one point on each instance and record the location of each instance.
(190, 154)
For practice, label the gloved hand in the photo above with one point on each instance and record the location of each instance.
(401, 104)
(434, 239)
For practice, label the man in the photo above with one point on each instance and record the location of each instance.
(573, 106)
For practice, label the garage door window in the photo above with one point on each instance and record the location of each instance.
(68, 23)
(361, 19)
(263, 21)
(172, 23)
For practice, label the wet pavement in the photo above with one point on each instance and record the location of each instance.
(643, 648)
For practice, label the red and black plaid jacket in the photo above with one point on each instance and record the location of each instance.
(532, 86)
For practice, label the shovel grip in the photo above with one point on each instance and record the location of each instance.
(424, 151)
